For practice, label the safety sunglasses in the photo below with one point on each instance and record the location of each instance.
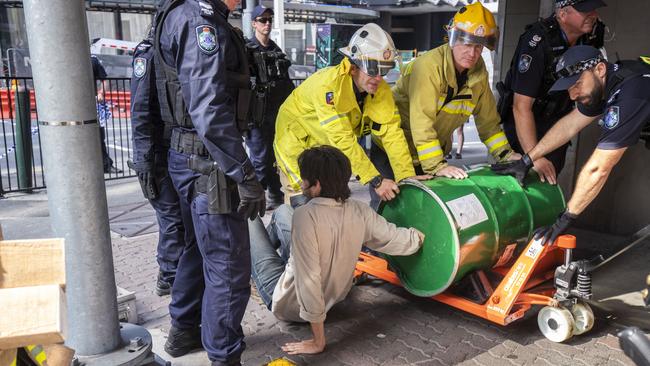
(374, 67)
(264, 20)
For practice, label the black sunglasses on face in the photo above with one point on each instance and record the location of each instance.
(264, 20)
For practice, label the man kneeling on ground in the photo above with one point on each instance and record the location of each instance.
(315, 269)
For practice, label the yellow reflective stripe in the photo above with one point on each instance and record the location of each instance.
(332, 119)
(296, 179)
(496, 141)
(13, 362)
(430, 155)
(37, 354)
(429, 150)
(459, 107)
(441, 102)
(428, 145)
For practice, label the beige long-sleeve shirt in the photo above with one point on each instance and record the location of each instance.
(326, 239)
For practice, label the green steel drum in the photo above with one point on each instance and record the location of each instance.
(468, 224)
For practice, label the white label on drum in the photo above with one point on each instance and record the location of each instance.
(467, 210)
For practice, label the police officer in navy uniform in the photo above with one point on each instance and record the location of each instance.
(527, 110)
(205, 83)
(150, 147)
(260, 138)
(617, 96)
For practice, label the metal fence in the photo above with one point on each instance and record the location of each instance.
(21, 158)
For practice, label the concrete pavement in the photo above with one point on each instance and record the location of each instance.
(378, 324)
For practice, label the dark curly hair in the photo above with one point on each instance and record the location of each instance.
(330, 167)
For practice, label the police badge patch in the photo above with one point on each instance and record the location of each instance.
(139, 67)
(611, 118)
(206, 36)
(524, 63)
(329, 98)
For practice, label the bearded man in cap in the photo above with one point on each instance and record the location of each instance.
(615, 94)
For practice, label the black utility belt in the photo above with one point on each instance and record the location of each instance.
(187, 142)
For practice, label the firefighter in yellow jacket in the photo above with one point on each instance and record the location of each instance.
(438, 92)
(339, 104)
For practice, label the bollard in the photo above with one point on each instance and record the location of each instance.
(23, 137)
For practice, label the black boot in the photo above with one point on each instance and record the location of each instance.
(163, 287)
(183, 341)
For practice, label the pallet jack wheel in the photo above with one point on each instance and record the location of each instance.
(556, 324)
(583, 318)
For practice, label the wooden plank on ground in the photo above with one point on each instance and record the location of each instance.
(31, 262)
(32, 315)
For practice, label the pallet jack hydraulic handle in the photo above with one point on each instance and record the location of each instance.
(568, 243)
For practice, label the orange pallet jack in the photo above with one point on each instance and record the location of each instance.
(564, 314)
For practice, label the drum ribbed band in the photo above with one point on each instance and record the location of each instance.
(67, 123)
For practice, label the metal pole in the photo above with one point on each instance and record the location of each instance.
(246, 19)
(73, 169)
(23, 134)
(119, 31)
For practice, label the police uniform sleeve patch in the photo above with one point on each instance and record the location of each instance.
(611, 117)
(139, 67)
(329, 98)
(206, 37)
(206, 9)
(534, 41)
(524, 63)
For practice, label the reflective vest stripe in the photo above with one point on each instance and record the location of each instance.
(429, 150)
(37, 353)
(292, 175)
(456, 107)
(441, 102)
(332, 119)
(496, 141)
(459, 107)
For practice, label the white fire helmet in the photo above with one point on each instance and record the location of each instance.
(372, 50)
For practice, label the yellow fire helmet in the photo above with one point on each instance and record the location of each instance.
(474, 24)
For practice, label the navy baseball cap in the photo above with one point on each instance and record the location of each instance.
(583, 6)
(259, 10)
(571, 65)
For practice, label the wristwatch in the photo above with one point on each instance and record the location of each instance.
(376, 181)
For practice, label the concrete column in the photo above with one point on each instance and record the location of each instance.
(277, 34)
(246, 19)
(423, 31)
(73, 169)
(512, 18)
(385, 21)
(119, 30)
